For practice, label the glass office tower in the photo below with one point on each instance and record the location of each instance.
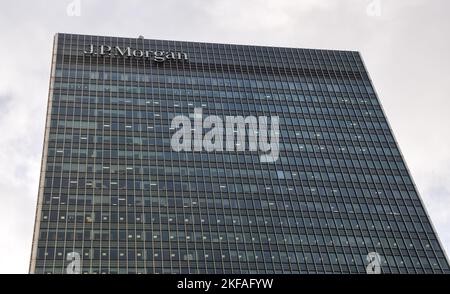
(115, 196)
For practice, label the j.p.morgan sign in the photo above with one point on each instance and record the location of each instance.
(117, 51)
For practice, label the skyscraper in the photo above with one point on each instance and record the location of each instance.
(324, 189)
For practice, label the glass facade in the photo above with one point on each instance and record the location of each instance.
(114, 191)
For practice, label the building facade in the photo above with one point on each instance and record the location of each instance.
(116, 197)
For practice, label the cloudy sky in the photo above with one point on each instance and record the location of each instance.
(404, 43)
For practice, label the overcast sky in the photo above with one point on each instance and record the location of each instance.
(405, 45)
